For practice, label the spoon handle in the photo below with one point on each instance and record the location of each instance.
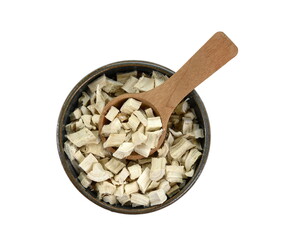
(215, 53)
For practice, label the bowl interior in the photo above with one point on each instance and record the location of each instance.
(111, 70)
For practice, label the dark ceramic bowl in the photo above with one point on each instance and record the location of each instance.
(71, 103)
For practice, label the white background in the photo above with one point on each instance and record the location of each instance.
(46, 47)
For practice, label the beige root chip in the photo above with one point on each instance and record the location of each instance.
(153, 138)
(111, 199)
(163, 151)
(70, 149)
(87, 119)
(81, 137)
(189, 173)
(174, 173)
(101, 82)
(141, 117)
(139, 199)
(98, 140)
(182, 108)
(142, 149)
(159, 78)
(157, 170)
(191, 158)
(112, 113)
(187, 125)
(174, 133)
(79, 156)
(157, 197)
(190, 115)
(153, 123)
(164, 185)
(76, 114)
(178, 149)
(131, 188)
(124, 150)
(135, 171)
(84, 99)
(105, 188)
(85, 110)
(114, 165)
(119, 191)
(112, 86)
(149, 112)
(100, 102)
(123, 199)
(114, 140)
(145, 84)
(130, 106)
(133, 122)
(98, 174)
(88, 162)
(153, 185)
(129, 85)
(138, 138)
(84, 180)
(96, 149)
(92, 108)
(198, 133)
(123, 77)
(122, 176)
(144, 180)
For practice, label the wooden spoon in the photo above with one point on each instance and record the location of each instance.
(215, 53)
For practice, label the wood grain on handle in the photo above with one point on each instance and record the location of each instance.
(215, 53)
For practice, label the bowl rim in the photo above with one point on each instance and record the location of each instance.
(67, 166)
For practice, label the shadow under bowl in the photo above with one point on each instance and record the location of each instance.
(110, 71)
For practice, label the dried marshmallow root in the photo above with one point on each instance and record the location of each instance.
(88, 162)
(111, 199)
(98, 174)
(153, 123)
(70, 149)
(114, 140)
(84, 180)
(135, 171)
(174, 173)
(145, 84)
(142, 149)
(157, 170)
(123, 77)
(123, 199)
(114, 165)
(191, 158)
(124, 150)
(112, 113)
(178, 149)
(130, 106)
(81, 137)
(145, 182)
(138, 138)
(157, 197)
(164, 185)
(129, 85)
(76, 114)
(149, 113)
(131, 188)
(141, 117)
(139, 199)
(133, 122)
(122, 176)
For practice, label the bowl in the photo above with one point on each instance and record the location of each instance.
(71, 103)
